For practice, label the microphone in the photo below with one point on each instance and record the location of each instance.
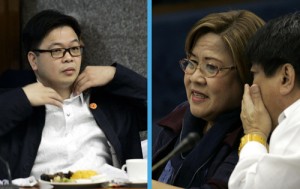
(186, 144)
(10, 186)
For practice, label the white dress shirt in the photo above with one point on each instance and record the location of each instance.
(71, 139)
(278, 169)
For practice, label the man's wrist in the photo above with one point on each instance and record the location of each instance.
(262, 134)
(257, 137)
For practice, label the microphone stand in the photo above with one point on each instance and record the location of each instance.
(187, 143)
(162, 161)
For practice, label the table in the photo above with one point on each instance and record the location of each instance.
(98, 188)
(95, 188)
(122, 187)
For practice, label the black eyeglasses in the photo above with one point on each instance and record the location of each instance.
(61, 52)
(208, 70)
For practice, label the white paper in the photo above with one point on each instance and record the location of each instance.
(111, 174)
(30, 181)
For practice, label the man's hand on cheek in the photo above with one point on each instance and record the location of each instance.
(254, 115)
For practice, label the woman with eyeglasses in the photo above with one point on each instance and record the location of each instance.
(215, 71)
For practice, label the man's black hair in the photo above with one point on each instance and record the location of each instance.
(277, 43)
(42, 24)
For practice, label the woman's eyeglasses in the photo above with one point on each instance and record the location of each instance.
(208, 70)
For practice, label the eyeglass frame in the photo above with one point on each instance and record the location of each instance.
(197, 67)
(64, 53)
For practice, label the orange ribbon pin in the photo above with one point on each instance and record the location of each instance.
(93, 106)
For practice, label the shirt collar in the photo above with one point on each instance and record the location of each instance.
(74, 97)
(288, 111)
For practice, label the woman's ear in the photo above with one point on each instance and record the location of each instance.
(32, 60)
(288, 77)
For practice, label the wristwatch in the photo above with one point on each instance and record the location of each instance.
(252, 137)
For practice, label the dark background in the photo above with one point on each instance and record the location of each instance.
(171, 22)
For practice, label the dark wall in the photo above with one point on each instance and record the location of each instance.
(113, 30)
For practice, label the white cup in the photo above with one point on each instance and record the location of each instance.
(136, 170)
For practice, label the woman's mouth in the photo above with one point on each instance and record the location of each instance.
(198, 97)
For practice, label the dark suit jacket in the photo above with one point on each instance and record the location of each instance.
(121, 113)
(209, 164)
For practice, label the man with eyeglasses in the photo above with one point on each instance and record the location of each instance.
(64, 120)
(60, 52)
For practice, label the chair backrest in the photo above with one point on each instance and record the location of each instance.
(16, 78)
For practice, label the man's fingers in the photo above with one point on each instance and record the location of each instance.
(55, 102)
(255, 95)
(81, 85)
(79, 78)
(248, 108)
(246, 90)
(54, 95)
(247, 101)
(38, 95)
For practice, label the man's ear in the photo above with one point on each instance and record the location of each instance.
(288, 77)
(32, 60)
